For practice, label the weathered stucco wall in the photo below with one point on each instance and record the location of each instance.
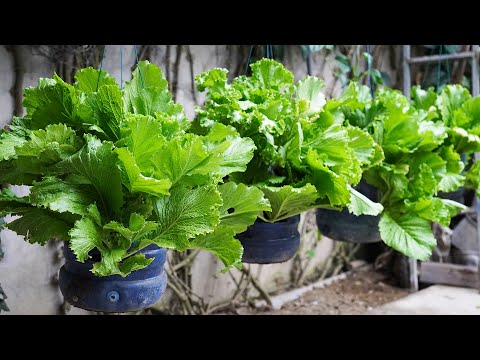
(28, 273)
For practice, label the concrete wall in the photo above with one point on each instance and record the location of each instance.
(28, 273)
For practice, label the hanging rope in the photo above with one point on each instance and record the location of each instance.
(121, 68)
(248, 59)
(101, 65)
(438, 68)
(448, 71)
(268, 55)
(309, 61)
(139, 70)
(369, 69)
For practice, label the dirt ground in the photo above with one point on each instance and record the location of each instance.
(359, 293)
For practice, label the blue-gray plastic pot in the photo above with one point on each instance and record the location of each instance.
(137, 291)
(268, 243)
(343, 226)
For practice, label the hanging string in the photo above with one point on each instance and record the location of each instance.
(448, 72)
(369, 70)
(121, 68)
(248, 59)
(269, 51)
(309, 61)
(438, 67)
(101, 65)
(268, 55)
(139, 70)
(427, 67)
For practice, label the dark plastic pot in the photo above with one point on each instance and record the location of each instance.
(464, 249)
(137, 291)
(455, 195)
(268, 243)
(343, 226)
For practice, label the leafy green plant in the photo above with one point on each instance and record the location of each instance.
(304, 158)
(421, 159)
(459, 112)
(114, 170)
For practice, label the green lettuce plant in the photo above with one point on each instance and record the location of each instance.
(304, 157)
(422, 158)
(115, 169)
(459, 111)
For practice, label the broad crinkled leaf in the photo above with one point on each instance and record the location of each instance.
(390, 179)
(222, 244)
(423, 182)
(214, 79)
(90, 80)
(135, 181)
(327, 182)
(436, 209)
(105, 109)
(185, 214)
(38, 225)
(143, 137)
(137, 228)
(8, 142)
(468, 117)
(408, 234)
(450, 99)
(401, 133)
(179, 158)
(61, 196)
(361, 205)
(363, 145)
(109, 263)
(232, 154)
(423, 99)
(52, 102)
(464, 141)
(433, 135)
(147, 92)
(85, 236)
(331, 148)
(57, 142)
(271, 74)
(452, 179)
(309, 90)
(12, 173)
(133, 263)
(287, 201)
(241, 205)
(96, 165)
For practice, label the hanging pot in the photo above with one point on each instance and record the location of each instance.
(137, 291)
(464, 250)
(268, 243)
(454, 195)
(343, 226)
